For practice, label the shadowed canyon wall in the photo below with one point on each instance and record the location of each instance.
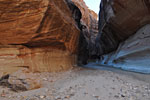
(89, 31)
(124, 23)
(120, 19)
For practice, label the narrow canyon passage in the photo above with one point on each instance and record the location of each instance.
(64, 50)
(43, 37)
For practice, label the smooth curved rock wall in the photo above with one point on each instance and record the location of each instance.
(118, 20)
(132, 54)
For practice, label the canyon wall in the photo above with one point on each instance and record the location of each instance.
(45, 35)
(120, 19)
(41, 35)
(89, 20)
(123, 32)
(89, 27)
(89, 31)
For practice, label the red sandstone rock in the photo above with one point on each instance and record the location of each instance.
(39, 34)
(24, 80)
(89, 17)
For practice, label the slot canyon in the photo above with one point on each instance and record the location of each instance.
(63, 50)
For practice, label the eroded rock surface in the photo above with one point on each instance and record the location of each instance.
(120, 19)
(21, 80)
(133, 54)
(89, 26)
(36, 59)
(89, 19)
(45, 35)
(124, 31)
(39, 34)
(38, 23)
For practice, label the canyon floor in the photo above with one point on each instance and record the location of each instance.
(86, 84)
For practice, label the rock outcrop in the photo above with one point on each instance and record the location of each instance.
(89, 31)
(22, 80)
(37, 34)
(120, 19)
(124, 34)
(132, 54)
(38, 23)
(89, 19)
(45, 35)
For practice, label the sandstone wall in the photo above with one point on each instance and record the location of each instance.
(89, 30)
(38, 34)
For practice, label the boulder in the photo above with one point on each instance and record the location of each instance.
(24, 80)
(21, 80)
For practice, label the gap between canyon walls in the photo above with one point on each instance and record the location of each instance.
(55, 35)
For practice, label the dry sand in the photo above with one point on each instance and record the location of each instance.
(86, 84)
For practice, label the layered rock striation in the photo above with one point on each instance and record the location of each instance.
(44, 35)
(41, 35)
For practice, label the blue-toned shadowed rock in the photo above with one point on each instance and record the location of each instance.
(132, 54)
(124, 35)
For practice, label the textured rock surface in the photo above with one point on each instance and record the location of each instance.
(44, 35)
(20, 20)
(36, 59)
(89, 19)
(89, 30)
(38, 23)
(133, 54)
(25, 80)
(87, 14)
(120, 19)
(21, 80)
(39, 34)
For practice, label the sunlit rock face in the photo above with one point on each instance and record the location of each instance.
(38, 34)
(120, 19)
(38, 23)
(124, 32)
